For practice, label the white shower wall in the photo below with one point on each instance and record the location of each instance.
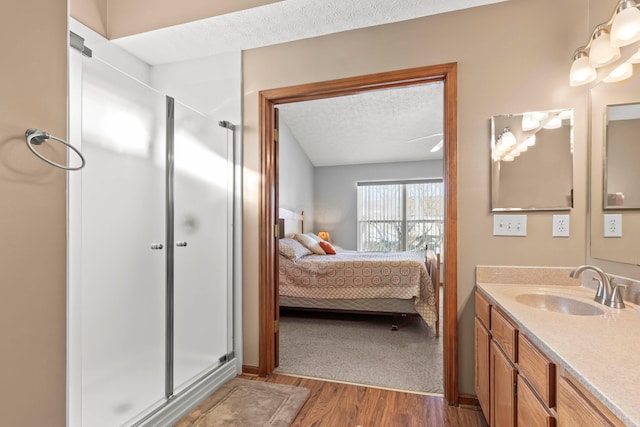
(118, 340)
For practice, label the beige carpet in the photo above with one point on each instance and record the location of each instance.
(248, 403)
(362, 349)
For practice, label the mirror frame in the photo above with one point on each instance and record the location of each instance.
(605, 160)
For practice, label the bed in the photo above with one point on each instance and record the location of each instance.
(392, 283)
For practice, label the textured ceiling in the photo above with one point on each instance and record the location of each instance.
(374, 127)
(391, 125)
(279, 22)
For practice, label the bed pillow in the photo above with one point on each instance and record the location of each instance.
(293, 249)
(310, 243)
(314, 237)
(327, 247)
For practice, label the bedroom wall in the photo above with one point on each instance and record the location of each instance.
(296, 177)
(507, 63)
(335, 193)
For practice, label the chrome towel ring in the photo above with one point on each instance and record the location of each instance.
(37, 137)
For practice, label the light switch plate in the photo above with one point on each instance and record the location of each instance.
(613, 225)
(560, 226)
(509, 225)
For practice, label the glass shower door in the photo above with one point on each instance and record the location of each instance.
(123, 253)
(202, 249)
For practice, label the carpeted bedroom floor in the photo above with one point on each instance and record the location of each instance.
(362, 349)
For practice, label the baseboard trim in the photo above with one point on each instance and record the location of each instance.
(180, 405)
(250, 370)
(468, 400)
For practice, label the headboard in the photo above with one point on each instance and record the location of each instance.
(290, 222)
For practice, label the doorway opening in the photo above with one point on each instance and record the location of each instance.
(268, 262)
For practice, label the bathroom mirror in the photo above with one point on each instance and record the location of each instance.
(532, 161)
(622, 157)
(614, 107)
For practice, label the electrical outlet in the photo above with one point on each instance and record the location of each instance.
(509, 225)
(612, 225)
(560, 226)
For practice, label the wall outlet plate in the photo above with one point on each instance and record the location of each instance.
(560, 226)
(509, 225)
(613, 225)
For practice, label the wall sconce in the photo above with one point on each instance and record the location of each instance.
(324, 235)
(603, 49)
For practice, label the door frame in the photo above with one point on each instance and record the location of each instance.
(268, 201)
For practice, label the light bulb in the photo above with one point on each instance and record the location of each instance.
(529, 122)
(523, 147)
(623, 72)
(531, 141)
(507, 138)
(626, 25)
(553, 123)
(601, 52)
(508, 158)
(581, 71)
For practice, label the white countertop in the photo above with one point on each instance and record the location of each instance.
(602, 351)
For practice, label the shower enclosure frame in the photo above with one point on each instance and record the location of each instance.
(174, 405)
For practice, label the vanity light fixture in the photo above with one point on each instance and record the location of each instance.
(507, 138)
(529, 122)
(506, 146)
(602, 52)
(553, 123)
(603, 49)
(622, 72)
(531, 141)
(581, 71)
(626, 25)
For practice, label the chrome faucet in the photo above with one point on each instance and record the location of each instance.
(607, 294)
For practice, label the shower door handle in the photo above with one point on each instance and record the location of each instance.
(181, 244)
(157, 246)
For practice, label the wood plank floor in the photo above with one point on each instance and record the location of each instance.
(334, 404)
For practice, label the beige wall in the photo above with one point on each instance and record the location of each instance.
(513, 57)
(33, 42)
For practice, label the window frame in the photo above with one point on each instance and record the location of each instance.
(403, 202)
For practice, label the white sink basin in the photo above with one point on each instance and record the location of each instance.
(559, 304)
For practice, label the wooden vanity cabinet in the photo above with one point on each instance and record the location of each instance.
(482, 352)
(503, 376)
(509, 397)
(518, 385)
(578, 407)
(531, 412)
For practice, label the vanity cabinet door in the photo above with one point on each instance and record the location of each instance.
(577, 407)
(482, 350)
(502, 389)
(531, 412)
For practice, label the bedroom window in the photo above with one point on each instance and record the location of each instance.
(398, 216)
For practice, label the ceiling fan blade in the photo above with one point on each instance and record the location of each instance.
(425, 137)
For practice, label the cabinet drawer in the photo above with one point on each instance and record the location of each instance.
(504, 333)
(483, 310)
(539, 371)
(532, 412)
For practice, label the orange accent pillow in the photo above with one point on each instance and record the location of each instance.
(327, 247)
